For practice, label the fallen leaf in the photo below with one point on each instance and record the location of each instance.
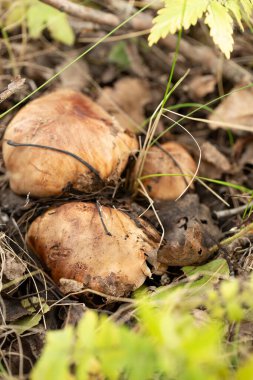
(244, 158)
(126, 102)
(200, 86)
(213, 161)
(13, 267)
(77, 76)
(235, 110)
(12, 310)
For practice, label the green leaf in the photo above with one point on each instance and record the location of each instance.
(30, 321)
(41, 16)
(54, 364)
(27, 323)
(176, 14)
(119, 56)
(247, 7)
(218, 267)
(221, 26)
(15, 16)
(246, 370)
(234, 7)
(207, 274)
(84, 351)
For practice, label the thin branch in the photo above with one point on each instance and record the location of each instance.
(231, 212)
(12, 88)
(83, 12)
(99, 208)
(85, 163)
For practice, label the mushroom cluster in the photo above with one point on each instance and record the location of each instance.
(64, 140)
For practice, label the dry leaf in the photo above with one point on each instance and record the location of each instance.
(13, 267)
(213, 161)
(126, 102)
(200, 86)
(76, 77)
(234, 111)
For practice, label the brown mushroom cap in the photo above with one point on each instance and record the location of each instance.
(105, 251)
(177, 161)
(69, 121)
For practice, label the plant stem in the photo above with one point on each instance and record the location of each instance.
(231, 239)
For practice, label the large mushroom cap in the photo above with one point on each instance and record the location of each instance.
(173, 158)
(101, 248)
(70, 121)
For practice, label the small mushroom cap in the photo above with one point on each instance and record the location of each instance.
(69, 121)
(103, 249)
(189, 232)
(176, 161)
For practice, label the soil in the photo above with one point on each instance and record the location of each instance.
(128, 79)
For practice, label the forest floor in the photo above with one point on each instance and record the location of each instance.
(128, 78)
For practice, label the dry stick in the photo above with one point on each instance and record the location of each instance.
(19, 279)
(229, 240)
(12, 88)
(99, 208)
(83, 12)
(234, 211)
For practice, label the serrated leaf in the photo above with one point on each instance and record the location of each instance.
(176, 14)
(41, 16)
(221, 26)
(247, 7)
(55, 363)
(234, 7)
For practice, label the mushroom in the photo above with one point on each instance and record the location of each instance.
(98, 247)
(64, 138)
(189, 232)
(169, 158)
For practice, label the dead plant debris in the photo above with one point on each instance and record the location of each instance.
(71, 156)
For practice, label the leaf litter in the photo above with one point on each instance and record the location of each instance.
(128, 80)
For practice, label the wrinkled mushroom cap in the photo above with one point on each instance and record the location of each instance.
(177, 161)
(69, 121)
(102, 249)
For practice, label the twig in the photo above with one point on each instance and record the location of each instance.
(99, 208)
(85, 163)
(231, 212)
(83, 12)
(229, 240)
(19, 279)
(12, 88)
